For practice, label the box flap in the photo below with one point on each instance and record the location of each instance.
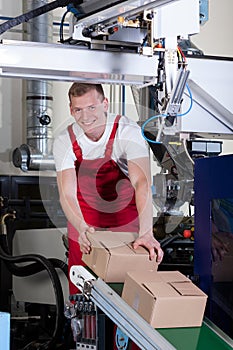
(110, 239)
(127, 249)
(116, 243)
(173, 276)
(139, 251)
(173, 289)
(187, 288)
(161, 290)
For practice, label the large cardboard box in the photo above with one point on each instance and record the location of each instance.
(165, 299)
(112, 255)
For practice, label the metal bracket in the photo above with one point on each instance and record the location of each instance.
(177, 92)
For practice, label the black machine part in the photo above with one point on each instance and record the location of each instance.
(38, 263)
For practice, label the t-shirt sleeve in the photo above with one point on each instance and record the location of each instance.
(132, 142)
(63, 153)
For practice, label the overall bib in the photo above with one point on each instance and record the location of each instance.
(105, 195)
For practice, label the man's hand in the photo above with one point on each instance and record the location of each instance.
(151, 244)
(85, 245)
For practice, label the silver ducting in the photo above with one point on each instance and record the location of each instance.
(37, 152)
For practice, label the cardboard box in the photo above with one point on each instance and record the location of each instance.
(165, 299)
(112, 255)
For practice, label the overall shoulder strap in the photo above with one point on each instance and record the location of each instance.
(76, 148)
(108, 151)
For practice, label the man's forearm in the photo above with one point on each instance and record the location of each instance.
(145, 210)
(73, 212)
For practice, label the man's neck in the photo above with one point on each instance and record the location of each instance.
(96, 134)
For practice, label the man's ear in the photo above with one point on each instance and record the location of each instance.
(70, 109)
(105, 102)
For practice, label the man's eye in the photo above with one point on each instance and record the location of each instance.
(91, 108)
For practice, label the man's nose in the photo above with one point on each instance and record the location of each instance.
(84, 113)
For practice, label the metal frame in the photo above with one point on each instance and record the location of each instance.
(125, 8)
(126, 318)
(129, 321)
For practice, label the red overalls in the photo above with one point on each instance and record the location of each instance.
(106, 197)
(105, 194)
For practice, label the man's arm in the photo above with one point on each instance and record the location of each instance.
(67, 187)
(139, 174)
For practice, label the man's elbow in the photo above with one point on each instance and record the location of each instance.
(142, 186)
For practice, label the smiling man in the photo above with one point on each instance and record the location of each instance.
(103, 174)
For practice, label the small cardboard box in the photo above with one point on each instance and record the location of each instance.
(112, 255)
(165, 299)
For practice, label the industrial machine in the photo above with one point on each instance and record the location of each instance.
(182, 110)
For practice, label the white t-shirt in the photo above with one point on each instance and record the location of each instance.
(128, 144)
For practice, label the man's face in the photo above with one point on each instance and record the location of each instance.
(89, 111)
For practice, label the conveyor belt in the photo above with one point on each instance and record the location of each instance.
(107, 298)
(206, 337)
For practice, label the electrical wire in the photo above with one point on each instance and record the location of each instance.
(165, 115)
(183, 61)
(76, 13)
(147, 122)
(123, 98)
(34, 13)
(62, 26)
(191, 103)
(182, 54)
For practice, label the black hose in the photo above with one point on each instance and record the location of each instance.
(47, 265)
(167, 240)
(28, 270)
(34, 13)
(32, 269)
(39, 263)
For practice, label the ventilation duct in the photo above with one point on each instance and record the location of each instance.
(36, 154)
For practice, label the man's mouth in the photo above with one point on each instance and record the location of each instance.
(88, 123)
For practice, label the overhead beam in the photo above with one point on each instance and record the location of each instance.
(31, 60)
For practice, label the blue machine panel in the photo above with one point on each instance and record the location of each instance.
(214, 233)
(4, 331)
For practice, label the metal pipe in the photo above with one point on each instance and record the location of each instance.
(3, 229)
(37, 153)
